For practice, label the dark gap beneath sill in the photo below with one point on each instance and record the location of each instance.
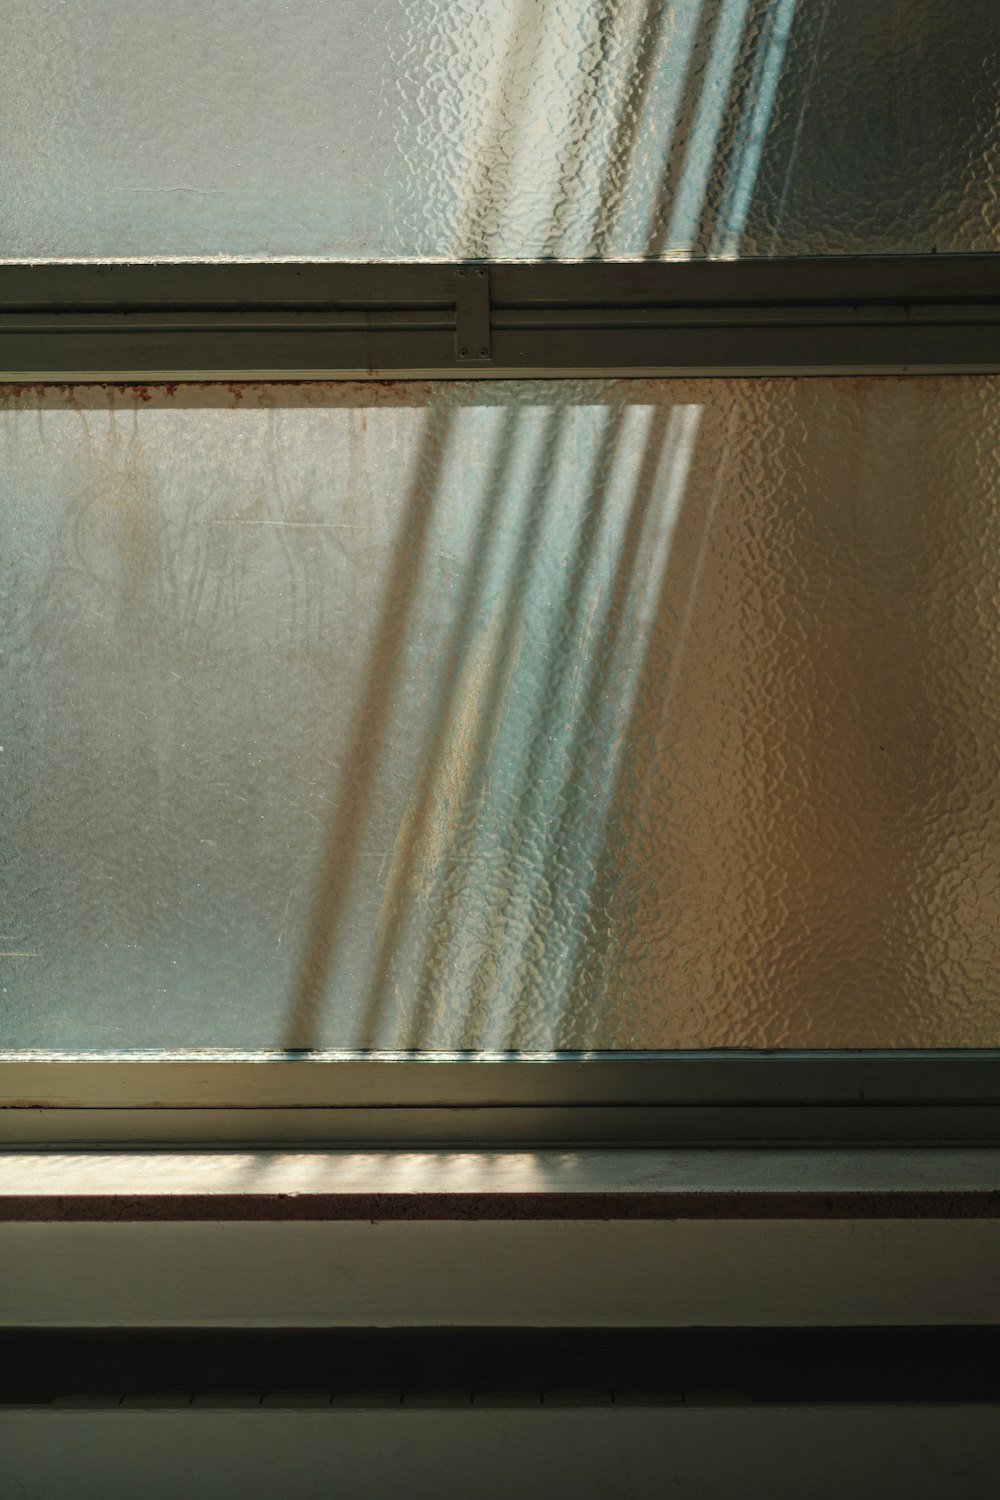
(483, 1366)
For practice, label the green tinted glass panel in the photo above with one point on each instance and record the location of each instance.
(572, 714)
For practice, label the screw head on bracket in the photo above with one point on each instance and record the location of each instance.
(464, 353)
(485, 353)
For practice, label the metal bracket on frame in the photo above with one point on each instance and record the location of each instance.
(472, 315)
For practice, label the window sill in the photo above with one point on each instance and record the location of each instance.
(522, 1239)
(600, 1185)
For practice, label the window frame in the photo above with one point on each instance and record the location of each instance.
(537, 1100)
(312, 320)
(147, 322)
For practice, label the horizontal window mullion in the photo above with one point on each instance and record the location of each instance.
(185, 320)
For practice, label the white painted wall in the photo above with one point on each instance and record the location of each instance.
(755, 1453)
(624, 1273)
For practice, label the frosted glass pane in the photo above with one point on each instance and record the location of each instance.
(507, 128)
(612, 714)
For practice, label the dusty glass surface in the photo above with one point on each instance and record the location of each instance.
(506, 128)
(612, 714)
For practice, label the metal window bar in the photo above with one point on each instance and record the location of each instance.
(297, 320)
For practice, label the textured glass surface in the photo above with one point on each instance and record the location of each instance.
(613, 714)
(507, 128)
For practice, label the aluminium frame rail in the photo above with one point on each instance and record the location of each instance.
(213, 320)
(495, 1100)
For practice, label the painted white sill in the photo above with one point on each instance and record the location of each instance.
(684, 1183)
(585, 1238)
